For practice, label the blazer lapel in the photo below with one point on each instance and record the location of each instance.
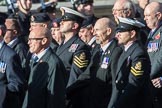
(15, 43)
(62, 48)
(125, 56)
(109, 50)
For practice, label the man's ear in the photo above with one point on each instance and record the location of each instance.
(109, 30)
(75, 26)
(133, 33)
(44, 41)
(15, 32)
(1, 32)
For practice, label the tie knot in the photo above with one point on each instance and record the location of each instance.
(35, 58)
(101, 51)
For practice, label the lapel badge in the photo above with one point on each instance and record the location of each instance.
(108, 51)
(40, 61)
(157, 36)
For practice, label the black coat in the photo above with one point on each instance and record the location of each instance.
(46, 85)
(20, 48)
(132, 84)
(94, 86)
(75, 55)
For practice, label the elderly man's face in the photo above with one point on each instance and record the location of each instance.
(119, 11)
(35, 42)
(151, 18)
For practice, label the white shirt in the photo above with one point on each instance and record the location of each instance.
(106, 46)
(40, 55)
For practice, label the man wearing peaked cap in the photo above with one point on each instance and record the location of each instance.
(132, 80)
(70, 14)
(76, 51)
(127, 24)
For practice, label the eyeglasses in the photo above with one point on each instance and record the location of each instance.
(9, 29)
(29, 39)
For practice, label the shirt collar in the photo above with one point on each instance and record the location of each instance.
(126, 48)
(40, 55)
(106, 46)
(10, 43)
(1, 43)
(91, 41)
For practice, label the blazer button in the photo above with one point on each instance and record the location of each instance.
(121, 81)
(116, 81)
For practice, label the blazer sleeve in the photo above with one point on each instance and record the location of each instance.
(15, 78)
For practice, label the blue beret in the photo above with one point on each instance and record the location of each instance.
(86, 23)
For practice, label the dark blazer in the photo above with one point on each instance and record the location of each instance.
(155, 52)
(93, 87)
(20, 48)
(12, 81)
(54, 45)
(46, 85)
(132, 84)
(75, 55)
(154, 49)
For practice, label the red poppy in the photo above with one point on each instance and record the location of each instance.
(157, 36)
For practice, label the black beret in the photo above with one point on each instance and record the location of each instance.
(86, 23)
(127, 24)
(70, 14)
(40, 18)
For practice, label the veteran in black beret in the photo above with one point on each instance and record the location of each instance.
(74, 53)
(132, 80)
(42, 20)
